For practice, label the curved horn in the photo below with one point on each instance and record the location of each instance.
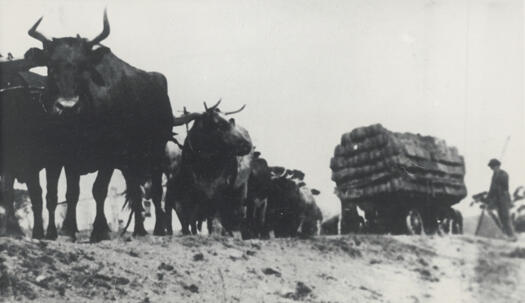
(235, 111)
(187, 118)
(216, 105)
(36, 34)
(105, 31)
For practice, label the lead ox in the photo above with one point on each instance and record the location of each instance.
(27, 147)
(212, 182)
(110, 115)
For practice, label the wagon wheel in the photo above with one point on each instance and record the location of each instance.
(414, 222)
(456, 227)
(446, 226)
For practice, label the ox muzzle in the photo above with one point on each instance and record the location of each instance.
(67, 105)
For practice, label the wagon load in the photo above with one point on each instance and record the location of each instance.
(373, 164)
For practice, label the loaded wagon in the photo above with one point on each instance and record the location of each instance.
(404, 183)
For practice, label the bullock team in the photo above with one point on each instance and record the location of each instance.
(96, 113)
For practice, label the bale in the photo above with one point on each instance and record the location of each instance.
(373, 161)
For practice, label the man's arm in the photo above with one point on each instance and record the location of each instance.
(492, 190)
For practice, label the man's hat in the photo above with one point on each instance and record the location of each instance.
(494, 162)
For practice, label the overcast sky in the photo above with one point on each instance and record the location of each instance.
(311, 70)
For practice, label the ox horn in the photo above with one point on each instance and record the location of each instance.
(105, 31)
(185, 119)
(235, 111)
(215, 106)
(36, 34)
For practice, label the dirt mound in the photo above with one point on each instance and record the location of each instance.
(354, 268)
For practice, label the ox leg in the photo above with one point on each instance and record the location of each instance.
(35, 193)
(215, 227)
(168, 219)
(248, 224)
(72, 193)
(185, 225)
(185, 213)
(100, 191)
(10, 226)
(134, 195)
(168, 210)
(261, 230)
(193, 227)
(52, 176)
(156, 191)
(199, 225)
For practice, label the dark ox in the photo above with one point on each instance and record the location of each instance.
(279, 201)
(27, 148)
(109, 115)
(291, 209)
(22, 140)
(259, 187)
(170, 167)
(213, 176)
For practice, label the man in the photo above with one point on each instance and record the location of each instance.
(499, 196)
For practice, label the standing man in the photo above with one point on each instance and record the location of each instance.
(499, 196)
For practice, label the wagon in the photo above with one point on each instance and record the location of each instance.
(404, 183)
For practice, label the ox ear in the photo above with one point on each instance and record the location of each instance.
(98, 54)
(35, 57)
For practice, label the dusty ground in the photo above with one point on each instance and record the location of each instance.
(355, 268)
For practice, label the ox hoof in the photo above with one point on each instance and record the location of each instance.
(38, 233)
(140, 233)
(51, 234)
(159, 231)
(69, 232)
(169, 232)
(99, 236)
(11, 229)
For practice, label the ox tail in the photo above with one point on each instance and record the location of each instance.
(174, 140)
(127, 224)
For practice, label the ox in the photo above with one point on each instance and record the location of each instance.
(110, 115)
(312, 215)
(22, 144)
(279, 201)
(259, 187)
(171, 168)
(291, 210)
(27, 148)
(212, 182)
(291, 204)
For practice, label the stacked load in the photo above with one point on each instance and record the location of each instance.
(373, 162)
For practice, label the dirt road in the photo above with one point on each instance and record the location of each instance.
(355, 268)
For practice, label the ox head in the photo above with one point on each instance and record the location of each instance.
(213, 133)
(70, 63)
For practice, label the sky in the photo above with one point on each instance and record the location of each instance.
(312, 70)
